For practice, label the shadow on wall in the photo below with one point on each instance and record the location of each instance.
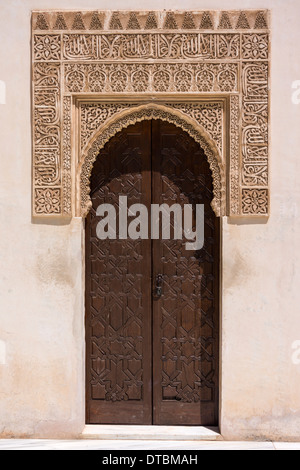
(55, 221)
(247, 220)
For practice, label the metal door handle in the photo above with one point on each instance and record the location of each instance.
(158, 285)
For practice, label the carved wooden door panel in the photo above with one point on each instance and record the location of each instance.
(118, 289)
(152, 359)
(185, 317)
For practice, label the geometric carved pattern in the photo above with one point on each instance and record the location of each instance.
(99, 54)
(188, 328)
(122, 343)
(255, 201)
(117, 301)
(142, 78)
(210, 115)
(149, 112)
(66, 157)
(120, 316)
(93, 116)
(234, 177)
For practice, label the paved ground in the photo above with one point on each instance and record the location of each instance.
(108, 445)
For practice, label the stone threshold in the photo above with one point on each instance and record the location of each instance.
(157, 433)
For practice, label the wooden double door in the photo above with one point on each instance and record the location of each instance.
(152, 307)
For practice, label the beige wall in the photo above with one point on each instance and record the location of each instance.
(41, 295)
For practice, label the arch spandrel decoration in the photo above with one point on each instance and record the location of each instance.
(146, 112)
(206, 70)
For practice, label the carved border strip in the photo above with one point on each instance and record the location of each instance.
(151, 78)
(162, 54)
(150, 20)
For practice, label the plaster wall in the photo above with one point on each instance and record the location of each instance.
(41, 276)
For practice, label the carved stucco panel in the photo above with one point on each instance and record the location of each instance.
(208, 114)
(146, 112)
(219, 60)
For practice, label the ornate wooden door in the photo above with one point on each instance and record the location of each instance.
(152, 359)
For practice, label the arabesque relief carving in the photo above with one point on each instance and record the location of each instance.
(205, 71)
(153, 111)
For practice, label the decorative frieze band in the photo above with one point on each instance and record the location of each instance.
(161, 54)
(67, 157)
(151, 78)
(47, 138)
(150, 46)
(149, 20)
